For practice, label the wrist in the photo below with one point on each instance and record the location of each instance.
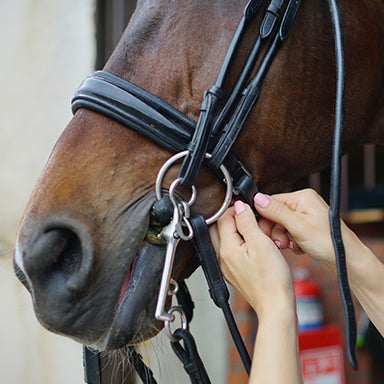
(280, 321)
(356, 253)
(362, 264)
(282, 310)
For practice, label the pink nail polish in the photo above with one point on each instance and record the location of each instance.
(262, 200)
(278, 244)
(239, 207)
(291, 245)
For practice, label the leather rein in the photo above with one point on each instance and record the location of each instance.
(209, 142)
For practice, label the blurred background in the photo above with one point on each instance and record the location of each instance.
(46, 49)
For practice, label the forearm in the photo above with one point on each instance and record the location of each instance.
(276, 355)
(366, 277)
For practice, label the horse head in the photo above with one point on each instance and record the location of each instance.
(82, 248)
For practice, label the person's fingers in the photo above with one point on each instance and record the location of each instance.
(292, 244)
(228, 234)
(278, 212)
(276, 232)
(305, 201)
(305, 215)
(280, 236)
(266, 226)
(246, 224)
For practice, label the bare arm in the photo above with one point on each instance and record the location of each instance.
(254, 266)
(366, 277)
(277, 346)
(300, 221)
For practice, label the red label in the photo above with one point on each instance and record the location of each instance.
(323, 365)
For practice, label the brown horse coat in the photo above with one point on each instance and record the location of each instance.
(83, 231)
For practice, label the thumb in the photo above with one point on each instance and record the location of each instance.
(246, 223)
(277, 211)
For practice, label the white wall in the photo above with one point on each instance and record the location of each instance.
(46, 49)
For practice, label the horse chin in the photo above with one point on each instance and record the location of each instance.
(134, 320)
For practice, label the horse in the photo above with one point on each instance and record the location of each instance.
(81, 247)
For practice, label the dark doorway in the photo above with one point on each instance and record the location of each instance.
(112, 16)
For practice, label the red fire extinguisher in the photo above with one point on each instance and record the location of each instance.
(309, 308)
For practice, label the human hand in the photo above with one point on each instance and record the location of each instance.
(300, 221)
(252, 263)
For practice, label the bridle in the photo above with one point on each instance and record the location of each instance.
(209, 142)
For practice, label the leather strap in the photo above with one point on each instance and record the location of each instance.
(252, 8)
(289, 18)
(207, 257)
(185, 301)
(251, 93)
(334, 211)
(189, 356)
(209, 108)
(217, 286)
(91, 364)
(143, 371)
(135, 108)
(273, 13)
(198, 145)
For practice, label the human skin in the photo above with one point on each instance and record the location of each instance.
(250, 259)
(254, 266)
(299, 220)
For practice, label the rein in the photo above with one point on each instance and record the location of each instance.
(209, 142)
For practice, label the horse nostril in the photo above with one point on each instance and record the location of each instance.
(67, 257)
(59, 256)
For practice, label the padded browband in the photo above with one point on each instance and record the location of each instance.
(149, 116)
(136, 109)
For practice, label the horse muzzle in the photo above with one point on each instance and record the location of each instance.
(56, 266)
(100, 293)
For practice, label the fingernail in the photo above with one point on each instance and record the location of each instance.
(239, 207)
(290, 244)
(262, 200)
(278, 244)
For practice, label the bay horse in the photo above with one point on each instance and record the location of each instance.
(81, 246)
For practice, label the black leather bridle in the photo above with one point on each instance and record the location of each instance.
(216, 131)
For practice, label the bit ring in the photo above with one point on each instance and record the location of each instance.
(224, 170)
(167, 323)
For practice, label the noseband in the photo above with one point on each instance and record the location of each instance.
(209, 142)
